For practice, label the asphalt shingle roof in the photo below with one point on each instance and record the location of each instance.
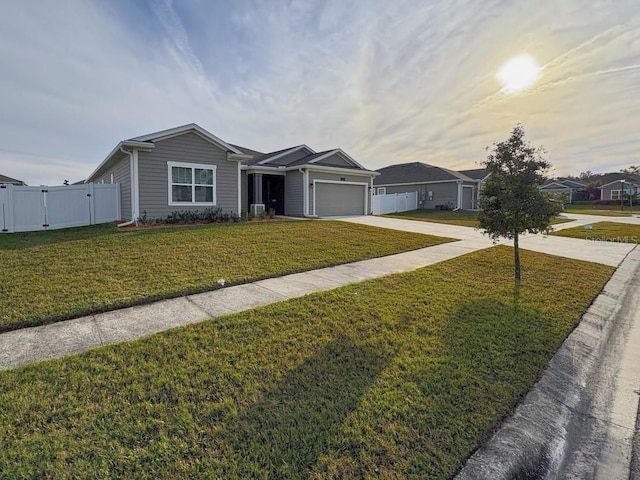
(416, 172)
(613, 177)
(5, 179)
(475, 173)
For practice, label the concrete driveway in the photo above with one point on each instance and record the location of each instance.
(608, 253)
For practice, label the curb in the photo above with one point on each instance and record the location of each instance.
(563, 426)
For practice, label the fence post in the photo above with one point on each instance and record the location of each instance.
(92, 204)
(4, 202)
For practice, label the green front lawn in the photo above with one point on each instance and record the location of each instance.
(462, 217)
(48, 276)
(604, 232)
(400, 377)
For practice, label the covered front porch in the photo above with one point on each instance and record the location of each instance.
(266, 189)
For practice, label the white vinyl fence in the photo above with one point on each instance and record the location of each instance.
(27, 209)
(394, 202)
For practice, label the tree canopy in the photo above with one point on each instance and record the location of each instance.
(511, 201)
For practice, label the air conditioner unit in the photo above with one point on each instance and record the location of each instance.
(257, 209)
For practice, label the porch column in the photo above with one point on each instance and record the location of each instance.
(257, 188)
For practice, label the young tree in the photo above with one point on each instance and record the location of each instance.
(511, 201)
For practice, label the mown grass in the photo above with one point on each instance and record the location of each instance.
(602, 210)
(604, 232)
(55, 275)
(462, 217)
(401, 377)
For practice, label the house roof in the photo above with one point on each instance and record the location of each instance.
(295, 157)
(5, 179)
(572, 183)
(554, 186)
(291, 157)
(247, 151)
(280, 157)
(476, 173)
(611, 178)
(145, 142)
(417, 172)
(191, 127)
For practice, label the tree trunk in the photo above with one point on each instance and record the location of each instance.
(516, 258)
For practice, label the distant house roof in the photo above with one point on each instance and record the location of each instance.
(12, 181)
(611, 178)
(573, 184)
(555, 186)
(475, 173)
(417, 172)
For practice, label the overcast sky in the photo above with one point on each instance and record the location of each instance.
(387, 81)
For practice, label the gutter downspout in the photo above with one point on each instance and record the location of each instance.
(133, 220)
(459, 196)
(305, 191)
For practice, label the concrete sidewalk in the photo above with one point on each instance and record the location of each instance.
(29, 345)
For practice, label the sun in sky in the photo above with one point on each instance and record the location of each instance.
(518, 73)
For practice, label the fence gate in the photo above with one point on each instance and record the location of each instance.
(27, 209)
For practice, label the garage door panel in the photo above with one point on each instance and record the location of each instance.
(335, 199)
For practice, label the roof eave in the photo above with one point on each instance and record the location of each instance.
(146, 146)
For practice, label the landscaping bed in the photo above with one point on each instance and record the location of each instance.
(49, 276)
(400, 377)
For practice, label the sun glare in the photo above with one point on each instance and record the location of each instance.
(518, 73)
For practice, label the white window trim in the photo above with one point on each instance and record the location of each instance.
(382, 191)
(619, 194)
(193, 166)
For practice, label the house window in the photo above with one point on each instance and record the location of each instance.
(191, 184)
(382, 190)
(615, 194)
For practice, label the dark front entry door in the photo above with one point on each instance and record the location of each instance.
(273, 193)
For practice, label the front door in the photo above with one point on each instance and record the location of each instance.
(273, 193)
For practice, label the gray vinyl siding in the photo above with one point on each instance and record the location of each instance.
(337, 177)
(293, 194)
(121, 170)
(335, 160)
(188, 148)
(244, 189)
(606, 192)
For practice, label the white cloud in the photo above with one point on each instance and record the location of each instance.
(386, 81)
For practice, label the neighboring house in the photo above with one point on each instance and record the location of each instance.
(188, 168)
(614, 184)
(4, 180)
(437, 187)
(564, 188)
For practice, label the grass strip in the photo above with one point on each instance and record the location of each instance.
(400, 377)
(604, 232)
(598, 211)
(462, 218)
(49, 276)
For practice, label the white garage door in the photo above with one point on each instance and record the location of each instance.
(336, 199)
